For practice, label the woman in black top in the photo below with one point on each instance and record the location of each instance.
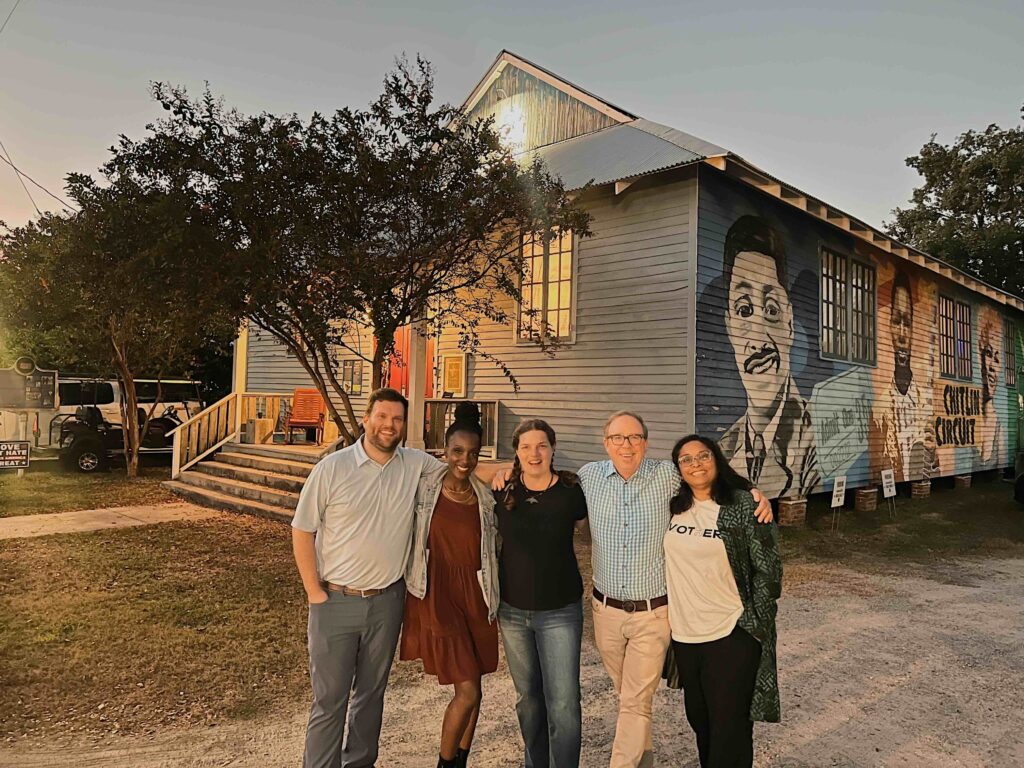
(541, 613)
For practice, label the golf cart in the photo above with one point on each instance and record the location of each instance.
(88, 442)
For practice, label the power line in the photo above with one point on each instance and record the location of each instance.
(4, 25)
(18, 174)
(25, 175)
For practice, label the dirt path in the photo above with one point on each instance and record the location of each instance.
(924, 667)
(26, 526)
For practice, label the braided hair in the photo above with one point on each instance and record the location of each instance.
(530, 425)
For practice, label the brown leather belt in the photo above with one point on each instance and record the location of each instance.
(631, 606)
(352, 591)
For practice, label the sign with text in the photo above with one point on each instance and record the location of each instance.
(841, 411)
(888, 483)
(25, 387)
(958, 408)
(839, 491)
(14, 454)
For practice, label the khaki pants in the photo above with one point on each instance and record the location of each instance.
(632, 647)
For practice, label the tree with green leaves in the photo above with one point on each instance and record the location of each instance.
(969, 211)
(131, 285)
(368, 218)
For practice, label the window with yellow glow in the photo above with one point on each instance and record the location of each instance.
(546, 307)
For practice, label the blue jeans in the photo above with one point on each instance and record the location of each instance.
(543, 652)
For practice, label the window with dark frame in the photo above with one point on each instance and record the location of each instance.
(546, 306)
(848, 309)
(863, 309)
(352, 376)
(964, 341)
(955, 339)
(1010, 351)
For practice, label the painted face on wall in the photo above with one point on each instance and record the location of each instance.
(990, 363)
(760, 325)
(902, 326)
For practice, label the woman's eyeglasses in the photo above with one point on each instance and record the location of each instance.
(689, 459)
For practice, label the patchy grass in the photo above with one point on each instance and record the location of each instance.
(981, 521)
(47, 488)
(141, 628)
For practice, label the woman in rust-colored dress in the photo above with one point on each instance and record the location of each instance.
(452, 600)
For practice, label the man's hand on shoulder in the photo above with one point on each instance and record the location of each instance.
(763, 513)
(500, 479)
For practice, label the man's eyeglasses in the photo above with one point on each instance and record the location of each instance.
(689, 459)
(620, 439)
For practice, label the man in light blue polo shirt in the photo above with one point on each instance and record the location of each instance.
(351, 535)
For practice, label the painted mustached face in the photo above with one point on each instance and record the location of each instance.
(760, 325)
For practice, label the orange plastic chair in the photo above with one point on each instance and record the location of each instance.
(307, 413)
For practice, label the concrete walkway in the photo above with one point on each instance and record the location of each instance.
(26, 526)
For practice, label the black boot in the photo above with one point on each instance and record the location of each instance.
(442, 763)
(461, 756)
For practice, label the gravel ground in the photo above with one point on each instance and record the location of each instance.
(912, 666)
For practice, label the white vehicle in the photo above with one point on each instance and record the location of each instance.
(181, 398)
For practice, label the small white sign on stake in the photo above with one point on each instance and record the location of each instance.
(888, 483)
(839, 491)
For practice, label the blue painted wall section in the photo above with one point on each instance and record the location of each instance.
(791, 419)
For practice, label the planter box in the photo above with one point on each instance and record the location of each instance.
(792, 511)
(865, 500)
(921, 489)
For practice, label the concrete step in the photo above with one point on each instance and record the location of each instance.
(275, 452)
(208, 498)
(280, 481)
(286, 500)
(229, 455)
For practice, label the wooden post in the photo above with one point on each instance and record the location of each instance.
(417, 385)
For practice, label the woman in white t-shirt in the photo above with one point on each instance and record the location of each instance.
(724, 575)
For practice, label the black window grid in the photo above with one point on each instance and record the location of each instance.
(1010, 352)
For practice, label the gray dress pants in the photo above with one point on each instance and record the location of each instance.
(352, 643)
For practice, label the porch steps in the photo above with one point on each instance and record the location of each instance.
(256, 479)
(208, 498)
(253, 475)
(242, 488)
(263, 462)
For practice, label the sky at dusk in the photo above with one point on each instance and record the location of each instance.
(829, 97)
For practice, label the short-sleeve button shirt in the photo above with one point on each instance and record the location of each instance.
(362, 514)
(628, 520)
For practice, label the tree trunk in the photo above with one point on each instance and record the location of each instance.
(379, 356)
(129, 412)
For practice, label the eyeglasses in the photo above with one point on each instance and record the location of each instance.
(620, 439)
(689, 459)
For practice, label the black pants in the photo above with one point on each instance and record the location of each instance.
(718, 685)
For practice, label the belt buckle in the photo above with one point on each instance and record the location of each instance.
(629, 606)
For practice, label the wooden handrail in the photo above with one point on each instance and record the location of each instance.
(191, 444)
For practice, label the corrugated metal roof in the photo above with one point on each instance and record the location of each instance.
(625, 151)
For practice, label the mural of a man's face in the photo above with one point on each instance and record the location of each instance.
(989, 367)
(902, 326)
(760, 325)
